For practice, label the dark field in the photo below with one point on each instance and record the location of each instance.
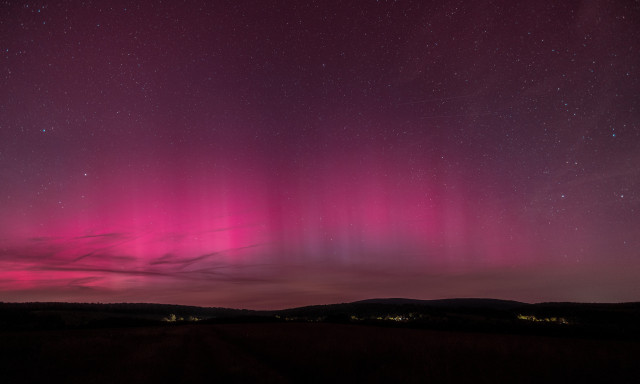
(308, 352)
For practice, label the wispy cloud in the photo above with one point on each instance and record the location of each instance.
(98, 260)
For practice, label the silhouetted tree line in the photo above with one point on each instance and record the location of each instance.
(483, 315)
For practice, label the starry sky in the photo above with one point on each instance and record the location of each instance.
(254, 155)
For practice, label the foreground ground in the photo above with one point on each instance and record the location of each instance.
(308, 352)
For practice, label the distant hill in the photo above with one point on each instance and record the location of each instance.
(53, 315)
(467, 314)
(451, 303)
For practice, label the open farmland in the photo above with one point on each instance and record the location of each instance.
(308, 352)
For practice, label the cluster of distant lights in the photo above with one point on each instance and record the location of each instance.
(557, 320)
(172, 318)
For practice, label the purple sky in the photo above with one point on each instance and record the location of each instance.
(244, 155)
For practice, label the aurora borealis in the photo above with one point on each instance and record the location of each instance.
(249, 155)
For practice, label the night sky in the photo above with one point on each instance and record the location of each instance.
(239, 154)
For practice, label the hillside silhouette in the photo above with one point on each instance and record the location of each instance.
(620, 320)
(375, 341)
